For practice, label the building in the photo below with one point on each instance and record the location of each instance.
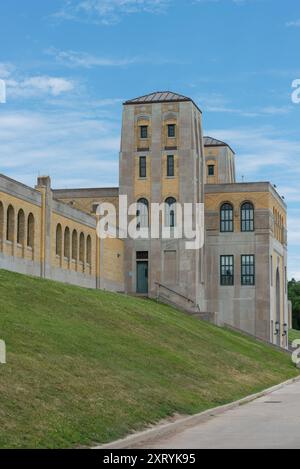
(239, 276)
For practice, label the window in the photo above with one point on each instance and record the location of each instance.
(227, 270)
(248, 270)
(171, 130)
(89, 250)
(247, 217)
(58, 240)
(143, 213)
(67, 243)
(1, 219)
(21, 228)
(170, 166)
(81, 248)
(144, 131)
(211, 169)
(10, 227)
(226, 218)
(74, 245)
(142, 255)
(170, 218)
(143, 167)
(30, 231)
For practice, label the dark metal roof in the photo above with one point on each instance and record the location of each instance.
(213, 142)
(160, 97)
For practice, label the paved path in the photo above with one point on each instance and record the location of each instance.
(272, 421)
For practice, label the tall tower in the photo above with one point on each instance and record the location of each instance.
(162, 160)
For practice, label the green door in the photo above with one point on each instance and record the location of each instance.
(142, 277)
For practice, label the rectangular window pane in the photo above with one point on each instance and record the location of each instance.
(171, 130)
(248, 270)
(143, 167)
(211, 170)
(144, 131)
(170, 165)
(227, 270)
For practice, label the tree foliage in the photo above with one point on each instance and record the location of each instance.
(294, 297)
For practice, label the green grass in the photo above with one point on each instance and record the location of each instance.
(86, 367)
(293, 335)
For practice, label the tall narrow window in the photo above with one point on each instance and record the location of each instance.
(10, 224)
(58, 240)
(21, 228)
(30, 231)
(81, 247)
(170, 166)
(248, 270)
(89, 250)
(1, 220)
(74, 245)
(247, 217)
(170, 212)
(143, 167)
(227, 270)
(144, 131)
(67, 243)
(143, 213)
(211, 170)
(226, 218)
(171, 130)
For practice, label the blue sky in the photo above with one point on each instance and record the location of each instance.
(69, 65)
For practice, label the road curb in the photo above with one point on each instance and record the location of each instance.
(167, 429)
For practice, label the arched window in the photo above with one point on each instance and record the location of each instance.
(58, 240)
(1, 219)
(226, 218)
(89, 250)
(81, 247)
(67, 243)
(21, 228)
(10, 224)
(143, 213)
(30, 231)
(74, 245)
(170, 212)
(247, 217)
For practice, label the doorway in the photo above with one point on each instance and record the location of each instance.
(142, 277)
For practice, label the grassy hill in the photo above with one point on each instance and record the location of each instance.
(87, 367)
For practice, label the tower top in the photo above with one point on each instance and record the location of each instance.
(213, 142)
(160, 97)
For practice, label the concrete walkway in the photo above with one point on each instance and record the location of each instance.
(272, 421)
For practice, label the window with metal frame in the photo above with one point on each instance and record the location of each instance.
(144, 131)
(247, 217)
(170, 166)
(143, 213)
(170, 215)
(143, 167)
(211, 170)
(227, 270)
(248, 269)
(171, 130)
(226, 218)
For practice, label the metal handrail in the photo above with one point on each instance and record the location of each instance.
(173, 291)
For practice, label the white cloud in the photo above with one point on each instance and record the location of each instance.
(69, 146)
(82, 59)
(108, 11)
(6, 70)
(295, 24)
(217, 103)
